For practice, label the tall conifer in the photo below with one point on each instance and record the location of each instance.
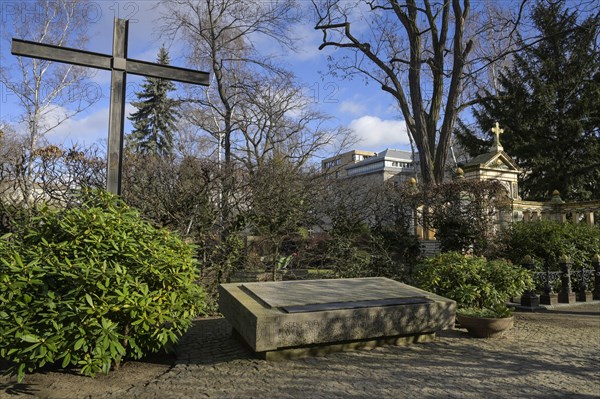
(154, 120)
(549, 107)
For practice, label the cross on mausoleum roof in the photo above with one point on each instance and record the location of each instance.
(119, 65)
(497, 131)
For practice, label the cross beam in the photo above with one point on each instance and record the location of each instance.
(120, 66)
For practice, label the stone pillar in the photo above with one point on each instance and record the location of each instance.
(526, 215)
(583, 295)
(419, 232)
(575, 217)
(596, 266)
(566, 294)
(563, 217)
(430, 234)
(548, 297)
(535, 216)
(589, 217)
(529, 298)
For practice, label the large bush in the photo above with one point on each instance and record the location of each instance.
(463, 213)
(90, 286)
(472, 281)
(370, 252)
(546, 241)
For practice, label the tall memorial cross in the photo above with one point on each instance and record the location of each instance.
(497, 131)
(120, 66)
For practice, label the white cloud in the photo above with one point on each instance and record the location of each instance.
(307, 42)
(352, 107)
(84, 130)
(377, 134)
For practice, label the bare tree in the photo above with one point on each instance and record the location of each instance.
(277, 121)
(48, 93)
(55, 175)
(219, 37)
(421, 52)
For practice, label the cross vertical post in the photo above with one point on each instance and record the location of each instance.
(118, 85)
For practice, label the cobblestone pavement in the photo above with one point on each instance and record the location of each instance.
(547, 355)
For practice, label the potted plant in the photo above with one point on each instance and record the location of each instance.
(479, 287)
(485, 322)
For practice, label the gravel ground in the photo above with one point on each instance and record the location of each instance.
(554, 354)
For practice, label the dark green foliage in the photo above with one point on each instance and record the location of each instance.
(58, 173)
(549, 106)
(361, 251)
(220, 256)
(496, 312)
(463, 212)
(154, 120)
(90, 286)
(473, 282)
(173, 193)
(367, 228)
(545, 241)
(282, 197)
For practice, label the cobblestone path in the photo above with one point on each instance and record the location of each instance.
(547, 355)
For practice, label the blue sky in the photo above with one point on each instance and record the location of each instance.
(365, 109)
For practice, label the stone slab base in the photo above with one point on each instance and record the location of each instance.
(566, 298)
(586, 296)
(325, 349)
(530, 301)
(551, 299)
(342, 313)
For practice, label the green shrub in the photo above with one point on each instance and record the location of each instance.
(499, 311)
(220, 258)
(370, 253)
(472, 281)
(545, 241)
(90, 286)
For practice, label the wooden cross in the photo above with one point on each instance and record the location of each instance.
(497, 131)
(119, 65)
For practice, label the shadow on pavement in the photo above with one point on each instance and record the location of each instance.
(210, 341)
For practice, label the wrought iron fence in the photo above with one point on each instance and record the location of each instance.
(564, 285)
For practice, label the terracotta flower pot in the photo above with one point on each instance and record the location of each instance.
(485, 327)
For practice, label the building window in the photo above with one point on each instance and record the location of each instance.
(397, 164)
(331, 164)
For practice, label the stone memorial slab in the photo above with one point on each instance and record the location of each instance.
(297, 318)
(297, 293)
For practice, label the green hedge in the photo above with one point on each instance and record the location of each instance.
(90, 286)
(546, 241)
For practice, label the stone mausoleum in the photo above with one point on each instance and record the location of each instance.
(400, 166)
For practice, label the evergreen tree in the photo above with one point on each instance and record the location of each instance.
(549, 107)
(154, 120)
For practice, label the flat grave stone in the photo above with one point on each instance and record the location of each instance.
(286, 319)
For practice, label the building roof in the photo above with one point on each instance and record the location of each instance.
(399, 154)
(352, 152)
(388, 154)
(486, 160)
